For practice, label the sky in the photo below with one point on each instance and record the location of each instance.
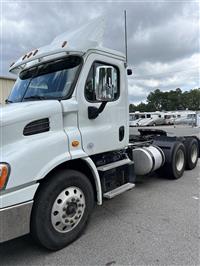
(163, 37)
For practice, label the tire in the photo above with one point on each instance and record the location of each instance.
(174, 169)
(68, 197)
(177, 165)
(192, 153)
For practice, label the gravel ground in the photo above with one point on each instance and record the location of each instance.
(157, 223)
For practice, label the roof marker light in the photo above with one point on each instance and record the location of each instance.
(24, 56)
(29, 55)
(12, 64)
(35, 52)
(64, 44)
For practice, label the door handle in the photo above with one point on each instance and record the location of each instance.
(121, 133)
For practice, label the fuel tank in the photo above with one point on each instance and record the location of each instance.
(147, 159)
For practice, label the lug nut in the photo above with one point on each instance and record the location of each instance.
(67, 221)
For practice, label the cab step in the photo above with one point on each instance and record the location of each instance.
(119, 190)
(110, 166)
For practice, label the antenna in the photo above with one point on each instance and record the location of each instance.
(125, 37)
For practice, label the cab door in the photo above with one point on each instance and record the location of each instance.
(108, 130)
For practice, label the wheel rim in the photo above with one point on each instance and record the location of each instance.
(194, 153)
(68, 209)
(180, 158)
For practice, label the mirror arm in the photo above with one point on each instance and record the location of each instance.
(101, 107)
(93, 112)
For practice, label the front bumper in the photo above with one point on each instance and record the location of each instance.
(15, 221)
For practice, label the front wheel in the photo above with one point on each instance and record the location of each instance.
(61, 209)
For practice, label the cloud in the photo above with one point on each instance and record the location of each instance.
(136, 93)
(163, 37)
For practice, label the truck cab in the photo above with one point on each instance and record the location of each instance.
(64, 108)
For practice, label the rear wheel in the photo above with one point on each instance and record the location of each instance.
(61, 209)
(192, 153)
(177, 165)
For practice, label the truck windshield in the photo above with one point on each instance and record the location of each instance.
(52, 80)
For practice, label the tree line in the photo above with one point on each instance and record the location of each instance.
(169, 101)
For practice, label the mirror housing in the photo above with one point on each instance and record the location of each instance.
(104, 83)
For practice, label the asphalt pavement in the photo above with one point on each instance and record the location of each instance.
(156, 223)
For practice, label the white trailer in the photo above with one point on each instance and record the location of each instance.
(65, 142)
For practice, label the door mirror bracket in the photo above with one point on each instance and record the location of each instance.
(93, 112)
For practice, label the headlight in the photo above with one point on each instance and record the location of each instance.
(4, 174)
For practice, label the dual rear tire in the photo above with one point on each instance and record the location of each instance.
(192, 152)
(184, 156)
(176, 167)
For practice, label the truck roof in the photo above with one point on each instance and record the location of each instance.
(48, 53)
(85, 39)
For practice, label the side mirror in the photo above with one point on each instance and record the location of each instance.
(104, 83)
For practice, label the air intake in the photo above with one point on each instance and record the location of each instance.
(37, 127)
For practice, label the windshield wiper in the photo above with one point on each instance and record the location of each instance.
(35, 97)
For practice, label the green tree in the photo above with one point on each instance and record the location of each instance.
(155, 99)
(194, 99)
(169, 101)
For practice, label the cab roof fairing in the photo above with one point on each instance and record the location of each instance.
(77, 42)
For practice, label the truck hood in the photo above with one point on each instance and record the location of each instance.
(24, 111)
(15, 117)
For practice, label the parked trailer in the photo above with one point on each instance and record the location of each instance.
(65, 142)
(169, 118)
(155, 119)
(188, 118)
(134, 118)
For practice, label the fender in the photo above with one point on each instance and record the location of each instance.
(95, 174)
(88, 162)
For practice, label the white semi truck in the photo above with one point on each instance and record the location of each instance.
(65, 142)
